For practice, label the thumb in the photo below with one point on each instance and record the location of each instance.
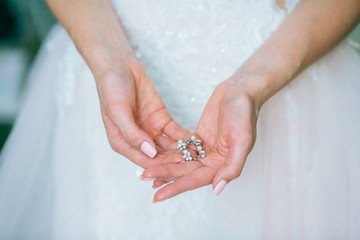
(132, 133)
(230, 170)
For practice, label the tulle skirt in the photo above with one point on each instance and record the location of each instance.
(59, 178)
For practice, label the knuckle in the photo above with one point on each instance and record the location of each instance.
(114, 146)
(137, 67)
(234, 173)
(116, 106)
(131, 137)
(221, 86)
(246, 138)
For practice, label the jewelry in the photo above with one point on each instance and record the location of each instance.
(192, 140)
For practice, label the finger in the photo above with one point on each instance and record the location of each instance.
(159, 149)
(159, 183)
(232, 167)
(175, 131)
(167, 157)
(198, 178)
(170, 146)
(118, 144)
(122, 116)
(165, 142)
(171, 171)
(171, 156)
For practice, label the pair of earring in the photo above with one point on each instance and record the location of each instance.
(186, 154)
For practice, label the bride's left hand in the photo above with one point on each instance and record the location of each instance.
(227, 128)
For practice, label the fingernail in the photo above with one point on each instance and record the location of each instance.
(146, 179)
(148, 149)
(219, 187)
(153, 201)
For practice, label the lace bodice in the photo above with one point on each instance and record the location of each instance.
(197, 42)
(190, 43)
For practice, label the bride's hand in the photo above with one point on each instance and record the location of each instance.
(133, 113)
(227, 128)
(135, 116)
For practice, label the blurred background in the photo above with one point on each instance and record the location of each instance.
(23, 26)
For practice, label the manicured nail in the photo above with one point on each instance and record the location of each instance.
(148, 149)
(219, 187)
(146, 179)
(153, 201)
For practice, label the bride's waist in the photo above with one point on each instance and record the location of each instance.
(181, 31)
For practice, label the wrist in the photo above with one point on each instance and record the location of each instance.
(109, 57)
(103, 60)
(255, 85)
(102, 47)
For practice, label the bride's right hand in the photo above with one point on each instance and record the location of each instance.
(133, 113)
(135, 116)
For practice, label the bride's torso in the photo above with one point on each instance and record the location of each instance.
(188, 47)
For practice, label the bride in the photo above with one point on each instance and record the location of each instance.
(270, 82)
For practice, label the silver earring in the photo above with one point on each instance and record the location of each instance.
(186, 154)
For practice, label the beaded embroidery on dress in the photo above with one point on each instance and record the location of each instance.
(59, 178)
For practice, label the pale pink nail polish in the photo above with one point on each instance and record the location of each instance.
(147, 179)
(154, 202)
(219, 187)
(148, 149)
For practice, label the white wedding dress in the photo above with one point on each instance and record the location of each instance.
(59, 178)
